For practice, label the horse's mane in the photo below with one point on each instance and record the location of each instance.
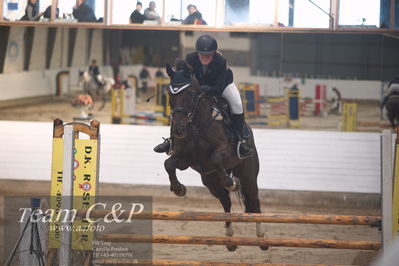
(179, 63)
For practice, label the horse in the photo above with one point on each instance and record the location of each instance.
(200, 141)
(392, 107)
(90, 86)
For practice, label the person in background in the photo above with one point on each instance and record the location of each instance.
(337, 102)
(194, 17)
(47, 12)
(144, 78)
(32, 11)
(150, 13)
(95, 72)
(136, 17)
(83, 13)
(393, 89)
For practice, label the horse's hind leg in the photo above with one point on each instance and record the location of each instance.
(219, 192)
(250, 193)
(104, 100)
(217, 158)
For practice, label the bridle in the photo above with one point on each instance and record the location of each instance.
(190, 114)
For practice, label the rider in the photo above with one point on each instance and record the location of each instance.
(393, 89)
(95, 73)
(211, 70)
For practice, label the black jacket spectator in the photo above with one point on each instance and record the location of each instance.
(31, 12)
(47, 12)
(136, 17)
(194, 18)
(84, 13)
(217, 74)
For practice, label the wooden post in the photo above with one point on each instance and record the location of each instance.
(349, 115)
(392, 16)
(53, 10)
(387, 187)
(163, 12)
(395, 203)
(67, 192)
(239, 241)
(1, 10)
(276, 14)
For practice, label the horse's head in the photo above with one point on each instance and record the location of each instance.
(183, 92)
(83, 75)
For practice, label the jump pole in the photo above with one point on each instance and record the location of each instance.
(241, 217)
(239, 241)
(198, 263)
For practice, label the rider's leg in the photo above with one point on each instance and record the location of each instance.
(163, 147)
(232, 95)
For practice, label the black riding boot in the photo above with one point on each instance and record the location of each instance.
(244, 150)
(163, 147)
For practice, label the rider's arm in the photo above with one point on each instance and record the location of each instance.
(220, 78)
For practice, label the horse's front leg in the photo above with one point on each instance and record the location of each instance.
(217, 158)
(175, 186)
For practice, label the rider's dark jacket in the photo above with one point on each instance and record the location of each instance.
(217, 75)
(93, 70)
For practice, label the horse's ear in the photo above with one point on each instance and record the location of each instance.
(170, 71)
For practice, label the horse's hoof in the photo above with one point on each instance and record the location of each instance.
(264, 247)
(231, 248)
(181, 191)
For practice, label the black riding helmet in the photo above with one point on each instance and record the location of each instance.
(206, 44)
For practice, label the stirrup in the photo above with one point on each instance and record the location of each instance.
(242, 156)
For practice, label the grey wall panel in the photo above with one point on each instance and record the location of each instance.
(358, 56)
(289, 159)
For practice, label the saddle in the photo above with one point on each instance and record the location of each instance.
(221, 106)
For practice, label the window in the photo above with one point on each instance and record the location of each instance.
(14, 10)
(67, 6)
(122, 9)
(312, 14)
(356, 13)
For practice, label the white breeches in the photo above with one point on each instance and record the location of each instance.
(232, 96)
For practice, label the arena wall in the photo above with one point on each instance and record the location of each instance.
(289, 160)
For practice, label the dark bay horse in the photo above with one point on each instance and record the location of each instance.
(200, 141)
(392, 107)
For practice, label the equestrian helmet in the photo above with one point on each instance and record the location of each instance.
(206, 44)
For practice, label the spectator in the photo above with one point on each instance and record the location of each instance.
(150, 13)
(194, 17)
(47, 12)
(32, 11)
(337, 102)
(144, 78)
(83, 13)
(136, 16)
